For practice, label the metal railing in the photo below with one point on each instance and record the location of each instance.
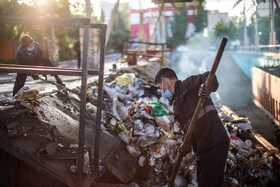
(261, 48)
(70, 22)
(144, 51)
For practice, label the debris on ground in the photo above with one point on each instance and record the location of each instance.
(135, 113)
(145, 124)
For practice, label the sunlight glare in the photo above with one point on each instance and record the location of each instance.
(40, 2)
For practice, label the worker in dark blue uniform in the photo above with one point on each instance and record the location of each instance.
(209, 140)
(78, 53)
(30, 53)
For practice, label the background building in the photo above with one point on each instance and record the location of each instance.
(163, 29)
(214, 16)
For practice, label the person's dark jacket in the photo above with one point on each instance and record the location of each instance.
(77, 47)
(209, 130)
(33, 58)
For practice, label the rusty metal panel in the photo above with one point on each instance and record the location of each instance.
(265, 88)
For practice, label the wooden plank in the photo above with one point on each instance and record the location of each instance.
(271, 150)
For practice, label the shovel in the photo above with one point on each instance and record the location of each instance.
(199, 106)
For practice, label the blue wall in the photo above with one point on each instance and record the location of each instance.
(246, 61)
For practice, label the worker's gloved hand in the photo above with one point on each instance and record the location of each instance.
(185, 151)
(35, 77)
(204, 92)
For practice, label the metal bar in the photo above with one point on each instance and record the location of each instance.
(162, 55)
(83, 106)
(147, 43)
(44, 70)
(99, 101)
(158, 18)
(69, 22)
(98, 26)
(124, 48)
(143, 55)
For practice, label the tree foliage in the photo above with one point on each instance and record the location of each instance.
(277, 26)
(65, 36)
(179, 27)
(200, 16)
(228, 30)
(102, 17)
(119, 33)
(125, 14)
(235, 29)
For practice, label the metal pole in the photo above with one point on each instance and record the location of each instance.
(162, 55)
(197, 110)
(99, 102)
(83, 106)
(271, 18)
(124, 48)
(245, 26)
(257, 39)
(152, 38)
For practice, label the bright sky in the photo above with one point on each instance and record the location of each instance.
(221, 5)
(226, 6)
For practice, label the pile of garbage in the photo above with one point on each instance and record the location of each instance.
(136, 112)
(248, 162)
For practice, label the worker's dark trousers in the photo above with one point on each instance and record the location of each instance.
(20, 81)
(21, 77)
(211, 168)
(79, 59)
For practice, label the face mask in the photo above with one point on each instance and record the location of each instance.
(167, 94)
(30, 49)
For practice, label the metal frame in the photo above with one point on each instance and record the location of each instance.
(70, 22)
(148, 43)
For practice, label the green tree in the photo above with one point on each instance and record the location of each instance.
(102, 17)
(200, 16)
(64, 35)
(10, 32)
(226, 29)
(264, 29)
(179, 27)
(277, 27)
(119, 34)
(125, 14)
